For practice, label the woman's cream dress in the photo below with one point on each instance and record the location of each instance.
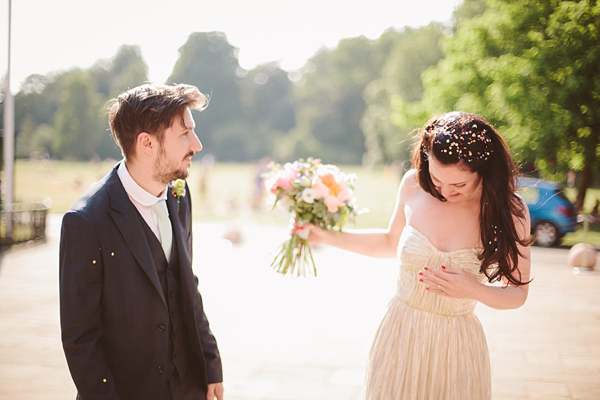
(429, 346)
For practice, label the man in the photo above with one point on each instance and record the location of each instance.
(132, 320)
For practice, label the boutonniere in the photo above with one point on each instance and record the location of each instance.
(178, 190)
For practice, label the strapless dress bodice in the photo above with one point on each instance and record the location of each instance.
(416, 251)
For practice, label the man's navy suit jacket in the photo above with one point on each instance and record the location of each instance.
(112, 307)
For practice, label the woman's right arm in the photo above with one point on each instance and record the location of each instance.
(371, 242)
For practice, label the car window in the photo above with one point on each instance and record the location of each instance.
(531, 195)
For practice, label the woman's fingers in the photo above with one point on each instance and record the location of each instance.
(438, 280)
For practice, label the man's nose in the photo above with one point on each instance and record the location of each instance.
(196, 145)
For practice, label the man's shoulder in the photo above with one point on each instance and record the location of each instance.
(95, 199)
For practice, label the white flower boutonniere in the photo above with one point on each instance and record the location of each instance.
(178, 190)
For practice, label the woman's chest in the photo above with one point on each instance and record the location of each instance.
(448, 227)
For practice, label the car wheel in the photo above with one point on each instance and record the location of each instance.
(546, 234)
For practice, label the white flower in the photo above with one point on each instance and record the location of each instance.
(308, 195)
(285, 204)
(305, 181)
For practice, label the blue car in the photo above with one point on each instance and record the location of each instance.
(552, 214)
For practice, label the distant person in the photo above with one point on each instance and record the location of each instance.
(571, 178)
(258, 190)
(457, 225)
(133, 326)
(206, 166)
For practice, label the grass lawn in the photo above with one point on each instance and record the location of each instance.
(230, 191)
(593, 236)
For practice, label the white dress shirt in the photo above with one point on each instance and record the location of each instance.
(141, 199)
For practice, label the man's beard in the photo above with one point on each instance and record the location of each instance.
(166, 171)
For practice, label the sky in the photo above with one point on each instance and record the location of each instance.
(52, 35)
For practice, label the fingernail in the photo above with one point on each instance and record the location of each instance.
(426, 269)
(420, 280)
(420, 273)
(443, 267)
(426, 288)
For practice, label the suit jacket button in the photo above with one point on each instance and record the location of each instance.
(161, 328)
(159, 370)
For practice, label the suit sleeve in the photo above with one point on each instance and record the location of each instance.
(80, 269)
(212, 358)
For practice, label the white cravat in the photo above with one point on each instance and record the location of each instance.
(164, 226)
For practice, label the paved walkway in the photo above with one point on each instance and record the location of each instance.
(300, 339)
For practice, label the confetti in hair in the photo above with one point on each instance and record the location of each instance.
(454, 141)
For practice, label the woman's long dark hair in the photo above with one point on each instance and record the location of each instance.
(459, 137)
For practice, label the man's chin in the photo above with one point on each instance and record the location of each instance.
(182, 174)
(174, 175)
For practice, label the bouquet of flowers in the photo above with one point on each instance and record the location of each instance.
(314, 193)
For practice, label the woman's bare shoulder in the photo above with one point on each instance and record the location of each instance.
(409, 185)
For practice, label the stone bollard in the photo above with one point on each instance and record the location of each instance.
(582, 255)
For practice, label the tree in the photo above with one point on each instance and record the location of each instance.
(42, 98)
(469, 9)
(531, 68)
(267, 98)
(330, 103)
(127, 69)
(412, 52)
(78, 123)
(208, 61)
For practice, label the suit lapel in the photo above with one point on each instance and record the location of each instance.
(124, 214)
(179, 231)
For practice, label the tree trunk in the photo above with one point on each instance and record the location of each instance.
(584, 184)
(588, 168)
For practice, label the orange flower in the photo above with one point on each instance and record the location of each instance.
(332, 189)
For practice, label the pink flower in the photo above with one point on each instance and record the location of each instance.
(282, 180)
(277, 183)
(332, 189)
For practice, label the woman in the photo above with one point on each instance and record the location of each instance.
(457, 225)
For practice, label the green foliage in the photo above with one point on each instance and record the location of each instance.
(208, 61)
(267, 98)
(127, 69)
(530, 68)
(386, 131)
(55, 111)
(469, 9)
(330, 103)
(76, 119)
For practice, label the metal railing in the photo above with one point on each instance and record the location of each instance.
(24, 222)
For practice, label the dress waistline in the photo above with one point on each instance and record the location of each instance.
(429, 311)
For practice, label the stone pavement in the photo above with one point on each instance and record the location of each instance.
(299, 339)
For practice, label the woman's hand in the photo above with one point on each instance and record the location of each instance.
(450, 282)
(317, 235)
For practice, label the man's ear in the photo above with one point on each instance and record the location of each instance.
(146, 144)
